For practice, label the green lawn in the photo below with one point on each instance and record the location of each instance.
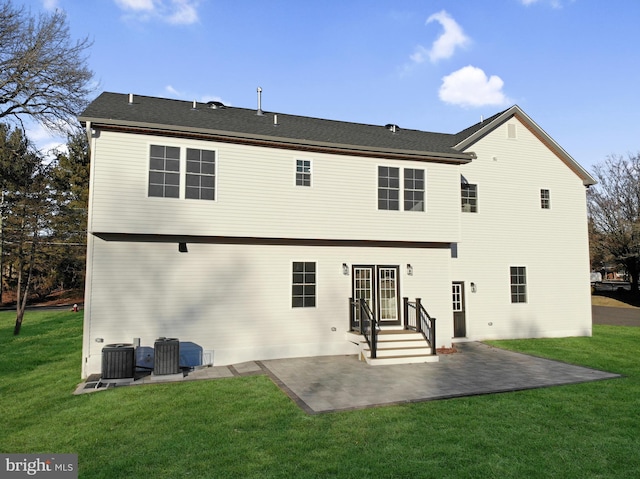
(247, 428)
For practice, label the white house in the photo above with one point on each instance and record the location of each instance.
(247, 232)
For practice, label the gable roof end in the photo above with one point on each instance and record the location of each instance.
(471, 135)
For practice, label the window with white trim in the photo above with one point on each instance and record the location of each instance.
(303, 285)
(469, 197)
(413, 189)
(518, 284)
(388, 188)
(545, 199)
(201, 174)
(164, 171)
(303, 172)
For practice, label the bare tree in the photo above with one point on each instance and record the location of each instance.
(43, 73)
(614, 210)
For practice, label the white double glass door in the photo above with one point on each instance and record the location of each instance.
(378, 286)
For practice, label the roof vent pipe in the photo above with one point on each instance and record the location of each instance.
(275, 120)
(259, 112)
(130, 98)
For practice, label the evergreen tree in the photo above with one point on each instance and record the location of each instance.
(27, 210)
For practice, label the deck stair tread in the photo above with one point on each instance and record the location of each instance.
(395, 346)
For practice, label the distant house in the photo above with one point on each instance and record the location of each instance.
(246, 232)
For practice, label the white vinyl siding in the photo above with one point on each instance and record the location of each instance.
(266, 203)
(214, 289)
(513, 230)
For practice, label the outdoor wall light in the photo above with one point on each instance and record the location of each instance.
(99, 340)
(409, 269)
(182, 248)
(345, 269)
(473, 287)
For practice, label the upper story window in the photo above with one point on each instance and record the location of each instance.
(201, 174)
(388, 188)
(413, 190)
(545, 199)
(469, 195)
(303, 287)
(303, 172)
(164, 171)
(518, 284)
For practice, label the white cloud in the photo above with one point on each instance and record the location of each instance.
(46, 141)
(184, 13)
(470, 87)
(445, 45)
(173, 92)
(136, 5)
(51, 5)
(175, 12)
(552, 3)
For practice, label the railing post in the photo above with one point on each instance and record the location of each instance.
(374, 339)
(418, 316)
(405, 309)
(351, 315)
(433, 335)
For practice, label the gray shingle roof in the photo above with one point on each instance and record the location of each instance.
(114, 110)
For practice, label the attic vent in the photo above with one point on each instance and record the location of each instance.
(215, 105)
(512, 131)
(391, 127)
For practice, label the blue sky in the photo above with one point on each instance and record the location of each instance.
(572, 65)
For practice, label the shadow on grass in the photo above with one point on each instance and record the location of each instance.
(246, 427)
(623, 296)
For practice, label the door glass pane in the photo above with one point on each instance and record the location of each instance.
(362, 286)
(457, 297)
(388, 302)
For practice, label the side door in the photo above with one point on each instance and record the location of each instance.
(459, 315)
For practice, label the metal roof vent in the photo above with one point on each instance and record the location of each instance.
(215, 105)
(392, 128)
(259, 112)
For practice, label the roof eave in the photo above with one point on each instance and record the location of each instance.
(276, 142)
